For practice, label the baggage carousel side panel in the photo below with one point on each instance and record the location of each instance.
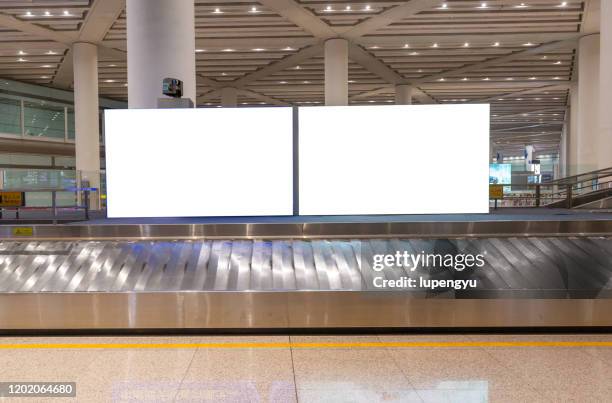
(288, 310)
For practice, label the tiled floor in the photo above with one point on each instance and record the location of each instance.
(323, 373)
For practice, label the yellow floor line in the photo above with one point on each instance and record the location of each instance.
(304, 345)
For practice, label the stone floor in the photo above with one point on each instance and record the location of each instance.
(316, 368)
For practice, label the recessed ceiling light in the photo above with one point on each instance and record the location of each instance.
(486, 79)
(282, 82)
(228, 50)
(253, 9)
(367, 7)
(496, 44)
(464, 79)
(374, 47)
(218, 11)
(47, 13)
(288, 48)
(21, 59)
(435, 45)
(466, 45)
(46, 66)
(51, 52)
(28, 13)
(522, 5)
(258, 49)
(109, 81)
(558, 62)
(112, 65)
(509, 78)
(328, 8)
(66, 12)
(442, 79)
(444, 6)
(528, 44)
(348, 8)
(414, 53)
(556, 78)
(483, 5)
(21, 53)
(533, 78)
(44, 76)
(563, 4)
(306, 82)
(406, 46)
(224, 74)
(297, 67)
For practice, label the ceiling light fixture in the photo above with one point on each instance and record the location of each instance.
(217, 11)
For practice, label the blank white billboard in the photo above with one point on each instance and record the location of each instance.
(415, 159)
(199, 162)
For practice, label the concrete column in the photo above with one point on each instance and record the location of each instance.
(336, 72)
(86, 110)
(605, 87)
(161, 43)
(588, 138)
(403, 94)
(229, 97)
(571, 159)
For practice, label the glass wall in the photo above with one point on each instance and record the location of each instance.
(10, 116)
(44, 120)
(71, 124)
(36, 119)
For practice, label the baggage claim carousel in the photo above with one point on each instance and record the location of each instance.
(549, 273)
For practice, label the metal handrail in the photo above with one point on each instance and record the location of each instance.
(54, 207)
(600, 173)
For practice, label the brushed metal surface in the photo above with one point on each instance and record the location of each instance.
(324, 230)
(526, 267)
(299, 283)
(288, 310)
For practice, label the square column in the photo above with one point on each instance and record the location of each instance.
(336, 72)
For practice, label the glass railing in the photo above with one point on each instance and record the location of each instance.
(53, 189)
(34, 119)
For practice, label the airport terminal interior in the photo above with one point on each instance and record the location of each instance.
(306, 200)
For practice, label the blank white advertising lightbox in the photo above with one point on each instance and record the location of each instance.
(199, 162)
(395, 159)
